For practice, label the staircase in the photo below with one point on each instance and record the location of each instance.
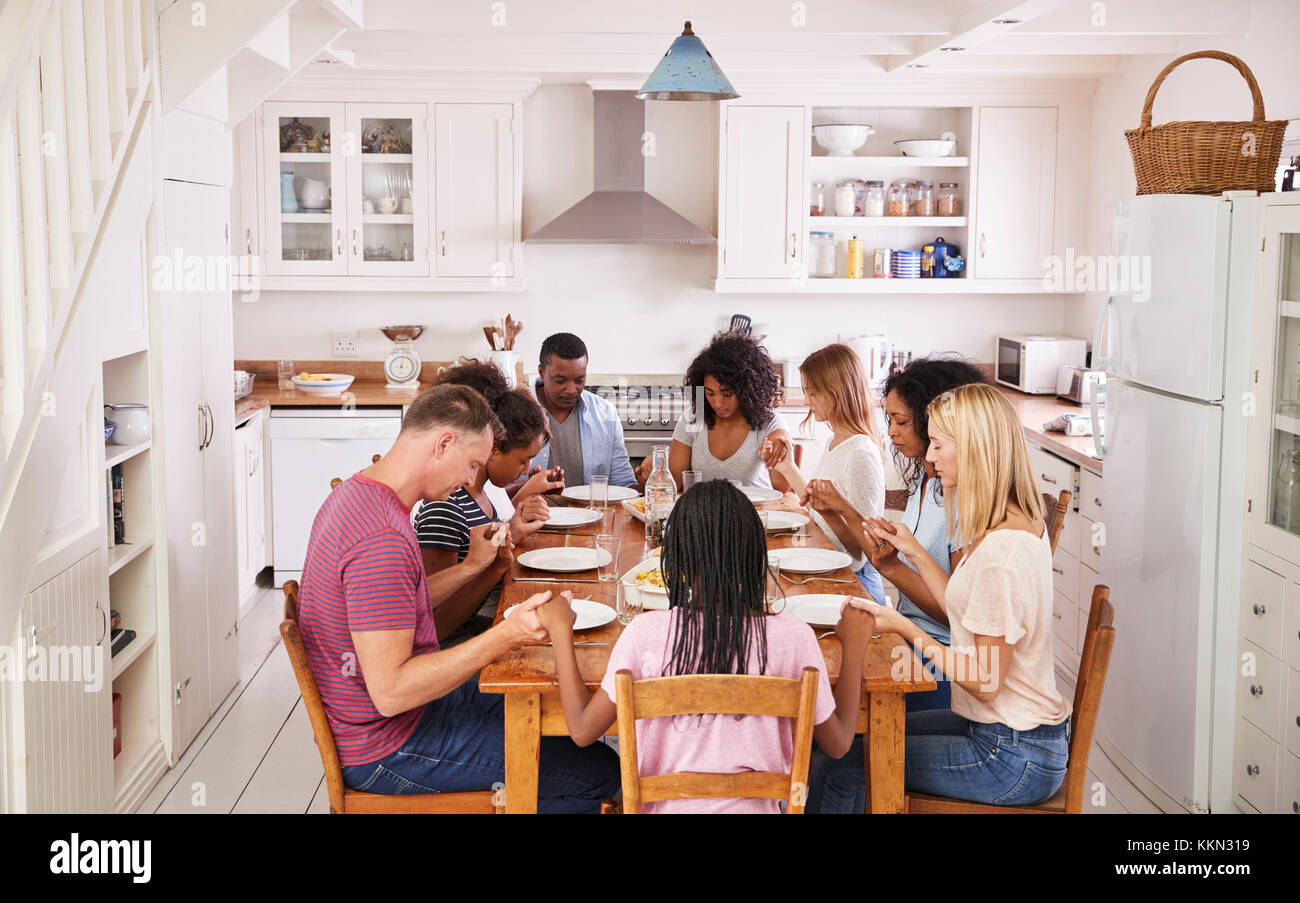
(75, 79)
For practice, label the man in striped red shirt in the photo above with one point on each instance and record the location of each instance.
(407, 716)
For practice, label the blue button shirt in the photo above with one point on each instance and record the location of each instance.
(603, 450)
(929, 525)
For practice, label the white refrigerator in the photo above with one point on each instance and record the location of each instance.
(1175, 344)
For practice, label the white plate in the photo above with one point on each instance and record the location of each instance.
(648, 597)
(583, 493)
(757, 494)
(563, 558)
(818, 609)
(572, 517)
(810, 561)
(786, 520)
(335, 385)
(590, 614)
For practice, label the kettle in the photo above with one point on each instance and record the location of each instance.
(876, 351)
(947, 258)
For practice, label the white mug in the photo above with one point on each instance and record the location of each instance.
(406, 205)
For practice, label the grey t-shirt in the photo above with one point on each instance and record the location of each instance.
(566, 447)
(744, 464)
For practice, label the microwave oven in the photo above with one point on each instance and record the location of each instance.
(1030, 363)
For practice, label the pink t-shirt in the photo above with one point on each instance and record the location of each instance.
(717, 743)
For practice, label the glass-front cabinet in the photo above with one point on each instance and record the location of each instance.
(349, 195)
(1275, 502)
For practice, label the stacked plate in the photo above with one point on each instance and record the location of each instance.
(906, 264)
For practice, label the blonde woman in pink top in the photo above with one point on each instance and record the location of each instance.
(714, 565)
(1006, 740)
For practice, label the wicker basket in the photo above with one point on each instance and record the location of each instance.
(1206, 157)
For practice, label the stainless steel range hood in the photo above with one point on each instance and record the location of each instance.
(620, 210)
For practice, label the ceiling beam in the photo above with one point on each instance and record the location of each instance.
(1143, 17)
(972, 29)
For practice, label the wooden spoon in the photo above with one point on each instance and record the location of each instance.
(489, 331)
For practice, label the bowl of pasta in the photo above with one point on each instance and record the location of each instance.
(644, 585)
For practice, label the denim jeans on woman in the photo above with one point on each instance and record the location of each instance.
(459, 744)
(947, 755)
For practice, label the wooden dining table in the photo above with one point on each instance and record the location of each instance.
(526, 675)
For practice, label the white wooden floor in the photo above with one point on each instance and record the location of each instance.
(257, 752)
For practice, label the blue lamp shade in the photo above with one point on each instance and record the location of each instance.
(687, 72)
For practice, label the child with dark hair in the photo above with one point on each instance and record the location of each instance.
(465, 524)
(714, 565)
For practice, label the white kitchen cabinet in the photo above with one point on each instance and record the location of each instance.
(1015, 193)
(761, 207)
(250, 503)
(390, 168)
(195, 342)
(302, 191)
(245, 215)
(474, 154)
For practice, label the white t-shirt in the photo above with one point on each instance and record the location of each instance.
(743, 464)
(1004, 589)
(857, 469)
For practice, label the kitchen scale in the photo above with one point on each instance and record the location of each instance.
(402, 367)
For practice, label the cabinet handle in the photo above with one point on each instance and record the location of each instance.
(981, 244)
(1256, 690)
(354, 242)
(1096, 501)
(203, 427)
(1252, 770)
(1258, 609)
(248, 241)
(210, 427)
(1046, 479)
(1058, 571)
(793, 242)
(443, 241)
(338, 241)
(103, 631)
(252, 462)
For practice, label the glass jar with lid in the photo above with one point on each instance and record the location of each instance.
(923, 204)
(873, 203)
(901, 194)
(821, 262)
(948, 202)
(845, 199)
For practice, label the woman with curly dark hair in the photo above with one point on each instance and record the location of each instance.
(733, 389)
(459, 528)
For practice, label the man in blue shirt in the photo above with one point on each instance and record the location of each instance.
(586, 432)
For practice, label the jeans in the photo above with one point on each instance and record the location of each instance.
(947, 755)
(459, 744)
(938, 698)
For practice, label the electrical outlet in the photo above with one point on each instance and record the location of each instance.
(345, 344)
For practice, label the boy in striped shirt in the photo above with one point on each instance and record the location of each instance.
(407, 716)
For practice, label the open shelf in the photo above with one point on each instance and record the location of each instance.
(120, 556)
(824, 223)
(137, 647)
(1291, 308)
(952, 285)
(116, 454)
(893, 162)
(1287, 424)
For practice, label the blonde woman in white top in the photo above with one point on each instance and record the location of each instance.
(1006, 740)
(835, 384)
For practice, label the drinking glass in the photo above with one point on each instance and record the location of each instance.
(774, 592)
(608, 572)
(690, 478)
(599, 487)
(624, 605)
(285, 372)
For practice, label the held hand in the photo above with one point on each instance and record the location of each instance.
(482, 548)
(777, 455)
(643, 470)
(824, 495)
(530, 516)
(880, 553)
(557, 616)
(540, 481)
(856, 625)
(895, 534)
(888, 620)
(524, 624)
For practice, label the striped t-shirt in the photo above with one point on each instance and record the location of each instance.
(446, 525)
(363, 572)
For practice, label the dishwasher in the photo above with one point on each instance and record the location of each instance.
(309, 447)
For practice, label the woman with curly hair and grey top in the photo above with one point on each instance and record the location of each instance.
(733, 390)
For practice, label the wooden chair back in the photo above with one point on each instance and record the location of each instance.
(717, 694)
(1056, 508)
(1093, 664)
(341, 798)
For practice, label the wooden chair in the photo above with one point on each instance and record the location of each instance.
(736, 694)
(1087, 702)
(1056, 508)
(342, 798)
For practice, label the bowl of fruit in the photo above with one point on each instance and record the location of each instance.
(323, 383)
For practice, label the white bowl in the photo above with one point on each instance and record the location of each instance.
(335, 385)
(927, 147)
(842, 140)
(651, 598)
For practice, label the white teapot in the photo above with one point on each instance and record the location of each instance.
(130, 423)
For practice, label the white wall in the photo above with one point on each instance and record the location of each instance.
(1199, 89)
(640, 308)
